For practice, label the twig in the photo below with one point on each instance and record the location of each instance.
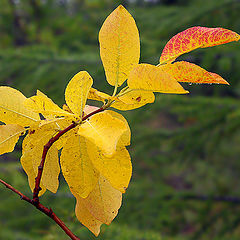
(35, 201)
(42, 208)
(52, 140)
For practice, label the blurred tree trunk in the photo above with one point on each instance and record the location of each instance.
(19, 33)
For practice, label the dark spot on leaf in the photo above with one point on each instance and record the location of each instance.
(138, 99)
(42, 117)
(31, 132)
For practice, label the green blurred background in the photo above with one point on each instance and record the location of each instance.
(185, 149)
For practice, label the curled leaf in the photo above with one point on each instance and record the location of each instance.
(104, 131)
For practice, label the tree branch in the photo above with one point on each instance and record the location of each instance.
(42, 208)
(52, 140)
(35, 201)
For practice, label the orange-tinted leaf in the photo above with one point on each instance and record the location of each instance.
(189, 72)
(193, 38)
(155, 79)
(119, 45)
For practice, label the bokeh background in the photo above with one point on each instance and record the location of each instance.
(185, 149)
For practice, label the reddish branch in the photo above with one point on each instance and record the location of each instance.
(45, 210)
(37, 188)
(35, 201)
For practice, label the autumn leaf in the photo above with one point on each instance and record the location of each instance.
(94, 94)
(119, 45)
(125, 138)
(33, 145)
(131, 100)
(12, 109)
(77, 167)
(86, 218)
(9, 135)
(117, 169)
(193, 38)
(77, 91)
(44, 105)
(102, 204)
(188, 72)
(155, 79)
(104, 131)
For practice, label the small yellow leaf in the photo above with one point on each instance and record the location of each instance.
(94, 94)
(155, 79)
(103, 204)
(9, 135)
(77, 92)
(119, 45)
(86, 218)
(33, 146)
(116, 169)
(12, 109)
(77, 167)
(134, 99)
(131, 100)
(104, 131)
(44, 105)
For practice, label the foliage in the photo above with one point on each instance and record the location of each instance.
(55, 65)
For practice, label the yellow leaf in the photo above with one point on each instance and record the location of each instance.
(86, 218)
(126, 136)
(77, 91)
(33, 146)
(9, 135)
(104, 131)
(134, 99)
(119, 45)
(12, 110)
(102, 203)
(28, 168)
(116, 169)
(77, 167)
(131, 100)
(155, 79)
(94, 94)
(44, 105)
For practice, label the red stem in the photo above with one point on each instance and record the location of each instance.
(35, 201)
(52, 140)
(45, 210)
